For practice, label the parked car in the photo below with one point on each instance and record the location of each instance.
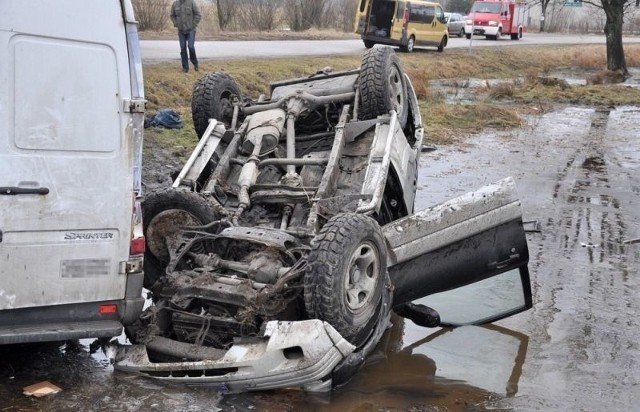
(455, 24)
(283, 245)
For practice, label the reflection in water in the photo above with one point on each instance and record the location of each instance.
(464, 368)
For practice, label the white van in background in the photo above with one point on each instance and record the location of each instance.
(71, 122)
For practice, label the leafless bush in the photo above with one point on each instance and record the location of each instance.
(304, 14)
(152, 14)
(298, 15)
(258, 14)
(341, 14)
(226, 10)
(502, 90)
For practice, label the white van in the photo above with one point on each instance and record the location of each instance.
(71, 121)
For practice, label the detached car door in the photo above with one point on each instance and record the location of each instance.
(465, 258)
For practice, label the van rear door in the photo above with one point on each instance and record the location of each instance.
(65, 165)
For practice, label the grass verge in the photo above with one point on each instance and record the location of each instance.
(492, 107)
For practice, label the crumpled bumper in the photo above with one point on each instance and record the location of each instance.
(289, 354)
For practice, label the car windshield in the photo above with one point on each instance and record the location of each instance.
(484, 7)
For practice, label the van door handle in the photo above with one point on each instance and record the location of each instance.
(503, 263)
(12, 190)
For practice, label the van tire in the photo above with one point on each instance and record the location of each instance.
(411, 43)
(368, 43)
(443, 44)
(170, 208)
(346, 275)
(382, 85)
(212, 99)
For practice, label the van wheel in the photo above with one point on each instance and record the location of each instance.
(443, 44)
(411, 43)
(382, 85)
(164, 214)
(346, 276)
(212, 98)
(368, 43)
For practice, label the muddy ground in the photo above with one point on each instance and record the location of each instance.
(577, 171)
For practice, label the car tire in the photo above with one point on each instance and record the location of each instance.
(368, 43)
(468, 36)
(411, 43)
(461, 33)
(443, 44)
(164, 212)
(212, 98)
(346, 276)
(382, 85)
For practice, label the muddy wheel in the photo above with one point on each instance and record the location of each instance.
(345, 276)
(382, 85)
(368, 43)
(212, 98)
(164, 213)
(411, 43)
(443, 44)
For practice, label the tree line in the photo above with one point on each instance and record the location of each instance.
(256, 15)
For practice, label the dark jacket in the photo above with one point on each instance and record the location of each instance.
(185, 15)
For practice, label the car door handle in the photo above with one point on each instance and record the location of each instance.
(13, 190)
(501, 264)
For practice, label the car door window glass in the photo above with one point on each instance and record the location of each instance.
(480, 302)
(439, 14)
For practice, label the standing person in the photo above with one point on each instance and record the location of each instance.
(185, 15)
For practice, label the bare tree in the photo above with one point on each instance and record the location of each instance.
(614, 11)
(304, 14)
(258, 14)
(226, 11)
(544, 4)
(341, 14)
(151, 14)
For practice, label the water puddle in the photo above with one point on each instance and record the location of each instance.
(462, 90)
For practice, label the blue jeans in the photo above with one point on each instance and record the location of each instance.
(189, 39)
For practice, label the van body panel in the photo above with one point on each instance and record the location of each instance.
(68, 153)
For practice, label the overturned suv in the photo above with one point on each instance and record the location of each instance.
(288, 238)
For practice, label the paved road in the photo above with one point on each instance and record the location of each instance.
(168, 49)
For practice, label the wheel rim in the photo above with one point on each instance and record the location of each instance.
(396, 90)
(360, 283)
(164, 231)
(410, 44)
